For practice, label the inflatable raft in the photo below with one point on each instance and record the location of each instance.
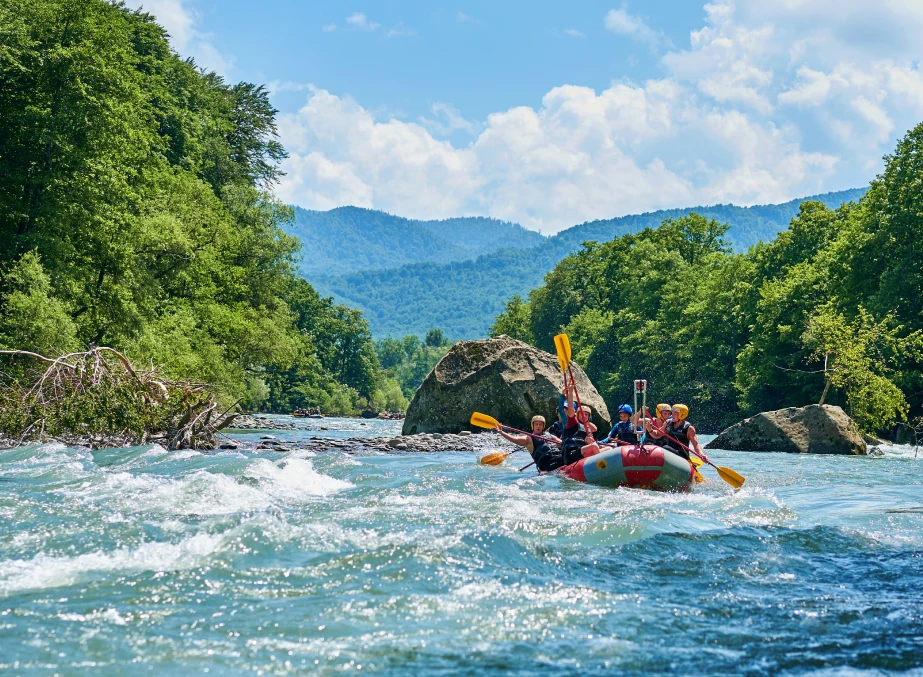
(647, 467)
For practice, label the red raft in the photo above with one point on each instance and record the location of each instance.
(647, 467)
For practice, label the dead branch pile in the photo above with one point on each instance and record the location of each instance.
(98, 399)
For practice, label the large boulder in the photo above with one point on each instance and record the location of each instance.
(502, 377)
(815, 429)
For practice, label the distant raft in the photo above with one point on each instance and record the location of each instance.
(647, 467)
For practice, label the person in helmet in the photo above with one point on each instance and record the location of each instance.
(543, 448)
(678, 433)
(659, 422)
(578, 430)
(624, 429)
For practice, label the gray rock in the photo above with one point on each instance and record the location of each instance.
(815, 429)
(501, 377)
(464, 433)
(393, 443)
(267, 437)
(230, 445)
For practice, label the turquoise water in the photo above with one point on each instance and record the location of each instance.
(134, 561)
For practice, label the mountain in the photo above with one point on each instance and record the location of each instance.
(374, 240)
(463, 297)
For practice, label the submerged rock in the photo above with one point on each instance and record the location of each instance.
(815, 429)
(502, 377)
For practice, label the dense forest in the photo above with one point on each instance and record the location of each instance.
(351, 239)
(830, 311)
(136, 212)
(463, 296)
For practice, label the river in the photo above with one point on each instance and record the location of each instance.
(141, 561)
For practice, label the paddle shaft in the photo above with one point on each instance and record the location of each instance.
(691, 451)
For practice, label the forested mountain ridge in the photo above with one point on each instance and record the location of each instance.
(462, 297)
(376, 240)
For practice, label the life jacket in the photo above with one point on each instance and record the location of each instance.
(680, 434)
(573, 438)
(546, 455)
(625, 431)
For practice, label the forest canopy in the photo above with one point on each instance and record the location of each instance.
(136, 211)
(829, 311)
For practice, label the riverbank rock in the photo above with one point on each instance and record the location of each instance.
(501, 377)
(815, 429)
(248, 422)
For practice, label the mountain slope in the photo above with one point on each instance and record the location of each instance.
(463, 297)
(374, 240)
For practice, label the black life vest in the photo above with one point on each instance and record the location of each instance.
(680, 434)
(624, 431)
(573, 438)
(546, 455)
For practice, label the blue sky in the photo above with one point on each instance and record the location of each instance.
(550, 114)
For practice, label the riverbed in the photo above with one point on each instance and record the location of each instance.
(261, 562)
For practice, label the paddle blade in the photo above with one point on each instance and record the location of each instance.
(495, 458)
(696, 461)
(483, 420)
(562, 346)
(735, 479)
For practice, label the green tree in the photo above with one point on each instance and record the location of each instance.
(514, 321)
(31, 318)
(858, 357)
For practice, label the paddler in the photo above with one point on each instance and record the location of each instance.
(543, 448)
(624, 429)
(578, 430)
(677, 430)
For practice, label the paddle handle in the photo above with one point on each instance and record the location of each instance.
(517, 430)
(527, 466)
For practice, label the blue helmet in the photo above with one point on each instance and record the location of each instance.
(625, 409)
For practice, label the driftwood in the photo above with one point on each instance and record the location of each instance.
(98, 398)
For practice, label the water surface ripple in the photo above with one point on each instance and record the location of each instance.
(263, 562)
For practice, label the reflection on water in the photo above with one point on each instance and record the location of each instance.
(246, 562)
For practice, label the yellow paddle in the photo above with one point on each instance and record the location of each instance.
(562, 345)
(485, 421)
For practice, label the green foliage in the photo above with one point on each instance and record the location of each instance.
(31, 316)
(408, 361)
(732, 334)
(858, 358)
(135, 211)
(514, 321)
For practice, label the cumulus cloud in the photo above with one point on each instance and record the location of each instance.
(180, 21)
(573, 32)
(764, 104)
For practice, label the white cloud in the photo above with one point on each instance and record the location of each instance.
(400, 31)
(619, 21)
(447, 120)
(180, 21)
(766, 102)
(581, 155)
(361, 21)
(329, 28)
(573, 32)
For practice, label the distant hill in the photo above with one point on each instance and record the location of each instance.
(463, 297)
(365, 239)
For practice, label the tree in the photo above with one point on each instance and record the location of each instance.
(435, 338)
(513, 321)
(31, 318)
(859, 357)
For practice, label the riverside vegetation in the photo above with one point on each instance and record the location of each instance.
(136, 212)
(829, 311)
